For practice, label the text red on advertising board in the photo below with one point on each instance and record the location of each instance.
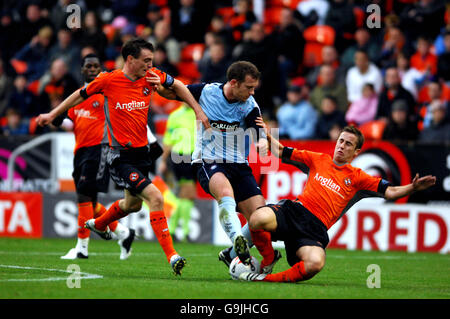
(21, 215)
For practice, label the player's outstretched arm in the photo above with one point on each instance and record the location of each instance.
(185, 95)
(74, 99)
(418, 184)
(274, 145)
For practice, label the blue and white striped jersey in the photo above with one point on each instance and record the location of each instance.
(230, 137)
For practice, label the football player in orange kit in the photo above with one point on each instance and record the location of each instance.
(91, 174)
(333, 186)
(127, 95)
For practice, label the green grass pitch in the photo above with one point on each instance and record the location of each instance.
(31, 268)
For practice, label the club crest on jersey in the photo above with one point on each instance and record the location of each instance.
(146, 91)
(134, 176)
(347, 181)
(96, 104)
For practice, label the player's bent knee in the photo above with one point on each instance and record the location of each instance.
(314, 264)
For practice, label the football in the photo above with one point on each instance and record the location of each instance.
(237, 267)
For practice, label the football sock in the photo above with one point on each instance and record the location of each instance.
(159, 225)
(82, 245)
(293, 274)
(85, 212)
(120, 230)
(246, 232)
(263, 242)
(228, 217)
(112, 214)
(186, 215)
(99, 211)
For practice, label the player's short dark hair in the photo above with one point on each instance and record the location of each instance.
(353, 130)
(240, 69)
(134, 46)
(89, 56)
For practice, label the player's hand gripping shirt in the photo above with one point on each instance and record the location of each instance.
(126, 106)
(228, 141)
(88, 119)
(332, 189)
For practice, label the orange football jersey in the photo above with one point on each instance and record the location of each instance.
(126, 106)
(332, 189)
(88, 119)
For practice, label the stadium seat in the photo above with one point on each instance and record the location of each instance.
(226, 13)
(359, 16)
(272, 16)
(373, 130)
(316, 38)
(284, 3)
(109, 31)
(192, 52)
(19, 66)
(189, 70)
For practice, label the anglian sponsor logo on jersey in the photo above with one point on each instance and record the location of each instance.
(224, 126)
(133, 105)
(328, 183)
(84, 113)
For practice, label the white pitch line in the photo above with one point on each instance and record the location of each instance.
(83, 275)
(39, 253)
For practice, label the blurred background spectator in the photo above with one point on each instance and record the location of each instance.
(400, 128)
(296, 117)
(406, 58)
(439, 129)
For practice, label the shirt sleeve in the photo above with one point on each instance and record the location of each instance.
(96, 86)
(166, 79)
(196, 90)
(370, 183)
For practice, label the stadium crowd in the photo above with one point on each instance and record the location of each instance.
(324, 63)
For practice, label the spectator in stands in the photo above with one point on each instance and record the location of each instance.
(9, 34)
(35, 54)
(424, 59)
(68, 50)
(162, 36)
(6, 86)
(443, 64)
(92, 34)
(341, 18)
(363, 72)
(399, 127)
(14, 123)
(31, 24)
(363, 41)
(242, 19)
(223, 31)
(330, 57)
(153, 16)
(434, 90)
(161, 61)
(189, 19)
(330, 120)
(439, 129)
(329, 86)
(394, 43)
(411, 78)
(258, 48)
(393, 91)
(58, 84)
(423, 16)
(26, 102)
(214, 67)
(364, 109)
(289, 44)
(296, 117)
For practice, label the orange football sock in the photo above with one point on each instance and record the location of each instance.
(99, 211)
(85, 212)
(158, 222)
(262, 240)
(293, 274)
(112, 214)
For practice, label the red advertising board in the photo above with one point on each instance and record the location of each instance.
(21, 215)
